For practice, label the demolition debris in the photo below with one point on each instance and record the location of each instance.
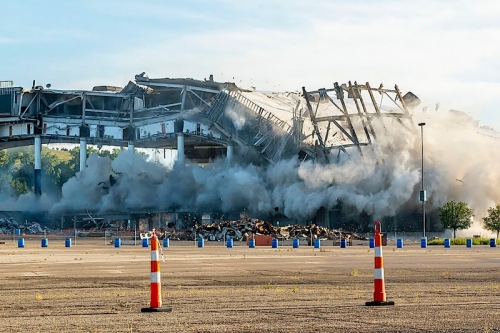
(95, 227)
(241, 230)
(8, 226)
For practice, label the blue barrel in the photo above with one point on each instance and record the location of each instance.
(423, 242)
(20, 242)
(45, 242)
(67, 242)
(18, 231)
(372, 243)
(447, 243)
(118, 242)
(493, 242)
(201, 242)
(145, 242)
(229, 243)
(166, 242)
(343, 243)
(274, 243)
(468, 242)
(251, 243)
(295, 243)
(399, 243)
(317, 243)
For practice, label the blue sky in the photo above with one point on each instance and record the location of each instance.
(443, 51)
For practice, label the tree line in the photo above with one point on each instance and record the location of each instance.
(458, 216)
(17, 177)
(17, 168)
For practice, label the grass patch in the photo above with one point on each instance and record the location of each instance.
(462, 241)
(62, 155)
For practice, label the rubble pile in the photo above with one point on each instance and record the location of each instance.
(95, 227)
(7, 226)
(316, 231)
(240, 230)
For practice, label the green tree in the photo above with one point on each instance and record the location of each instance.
(19, 186)
(456, 216)
(492, 221)
(74, 162)
(17, 165)
(3, 157)
(66, 170)
(21, 162)
(17, 168)
(111, 154)
(5, 176)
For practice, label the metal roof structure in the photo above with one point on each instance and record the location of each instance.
(267, 127)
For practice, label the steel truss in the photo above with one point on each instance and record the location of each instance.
(353, 110)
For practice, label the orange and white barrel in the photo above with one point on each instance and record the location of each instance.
(155, 284)
(379, 297)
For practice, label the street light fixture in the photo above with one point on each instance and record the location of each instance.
(423, 197)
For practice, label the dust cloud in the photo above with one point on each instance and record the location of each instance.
(461, 162)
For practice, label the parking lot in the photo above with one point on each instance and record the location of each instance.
(96, 287)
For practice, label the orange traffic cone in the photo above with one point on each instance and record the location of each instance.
(155, 286)
(379, 293)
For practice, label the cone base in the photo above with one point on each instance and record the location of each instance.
(156, 310)
(378, 303)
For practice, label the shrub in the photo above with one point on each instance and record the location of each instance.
(438, 241)
(462, 241)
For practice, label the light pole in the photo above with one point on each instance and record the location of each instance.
(422, 191)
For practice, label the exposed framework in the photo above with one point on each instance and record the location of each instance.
(154, 113)
(135, 105)
(65, 115)
(151, 112)
(353, 116)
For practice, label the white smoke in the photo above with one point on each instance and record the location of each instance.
(377, 182)
(28, 202)
(461, 162)
(238, 118)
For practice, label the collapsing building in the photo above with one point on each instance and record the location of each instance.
(207, 121)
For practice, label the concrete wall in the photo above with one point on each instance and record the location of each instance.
(7, 130)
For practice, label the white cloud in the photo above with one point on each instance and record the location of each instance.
(6, 40)
(442, 51)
